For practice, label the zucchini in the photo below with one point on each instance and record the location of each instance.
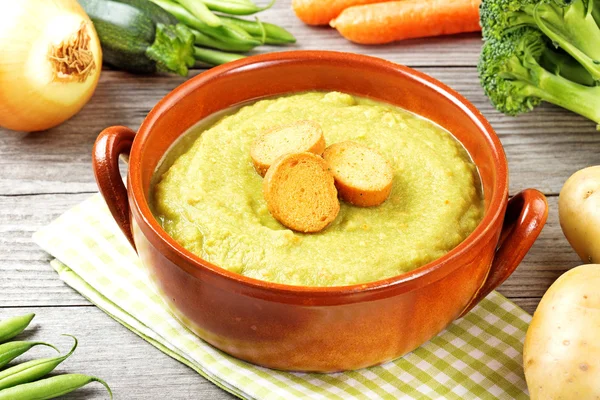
(141, 37)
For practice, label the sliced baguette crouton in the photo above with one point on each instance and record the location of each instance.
(363, 177)
(300, 192)
(299, 137)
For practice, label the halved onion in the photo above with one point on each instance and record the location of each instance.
(50, 62)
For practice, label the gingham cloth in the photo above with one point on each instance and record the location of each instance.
(477, 357)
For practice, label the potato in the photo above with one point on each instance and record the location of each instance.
(562, 347)
(579, 213)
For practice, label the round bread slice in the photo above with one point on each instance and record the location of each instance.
(299, 137)
(300, 192)
(363, 177)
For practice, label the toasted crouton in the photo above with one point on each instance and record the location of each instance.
(300, 192)
(363, 177)
(299, 137)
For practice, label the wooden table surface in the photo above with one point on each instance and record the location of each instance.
(44, 174)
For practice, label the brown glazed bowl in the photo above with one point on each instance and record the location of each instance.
(317, 328)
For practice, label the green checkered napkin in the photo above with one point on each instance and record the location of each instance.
(479, 356)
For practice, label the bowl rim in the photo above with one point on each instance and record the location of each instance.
(407, 281)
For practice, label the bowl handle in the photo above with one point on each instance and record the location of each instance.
(525, 217)
(110, 144)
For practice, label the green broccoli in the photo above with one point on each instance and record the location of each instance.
(515, 81)
(569, 24)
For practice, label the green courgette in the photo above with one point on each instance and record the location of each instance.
(141, 37)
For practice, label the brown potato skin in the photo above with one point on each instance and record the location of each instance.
(579, 213)
(561, 354)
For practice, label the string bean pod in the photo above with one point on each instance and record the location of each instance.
(199, 10)
(201, 39)
(50, 388)
(214, 57)
(235, 7)
(11, 327)
(11, 350)
(274, 34)
(234, 35)
(31, 370)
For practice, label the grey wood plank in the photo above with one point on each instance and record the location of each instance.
(133, 368)
(543, 147)
(26, 278)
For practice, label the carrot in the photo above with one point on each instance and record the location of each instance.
(397, 20)
(320, 12)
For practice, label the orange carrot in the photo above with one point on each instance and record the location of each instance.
(320, 12)
(397, 20)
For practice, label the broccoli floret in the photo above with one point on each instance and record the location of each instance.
(569, 24)
(515, 82)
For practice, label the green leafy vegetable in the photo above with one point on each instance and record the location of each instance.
(515, 82)
(541, 50)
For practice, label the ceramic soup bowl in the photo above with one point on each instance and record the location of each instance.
(317, 328)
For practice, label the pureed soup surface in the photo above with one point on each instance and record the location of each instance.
(211, 201)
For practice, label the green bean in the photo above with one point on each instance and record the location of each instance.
(199, 10)
(11, 327)
(242, 1)
(275, 34)
(239, 31)
(50, 388)
(11, 350)
(206, 41)
(234, 7)
(214, 57)
(31, 370)
(225, 33)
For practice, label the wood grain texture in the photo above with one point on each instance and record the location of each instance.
(133, 368)
(44, 174)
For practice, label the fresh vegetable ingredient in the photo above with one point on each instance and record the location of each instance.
(319, 12)
(569, 24)
(141, 37)
(31, 370)
(214, 57)
(146, 36)
(273, 34)
(513, 77)
(204, 40)
(397, 20)
(15, 381)
(579, 213)
(226, 33)
(50, 388)
(562, 351)
(11, 350)
(234, 7)
(11, 327)
(233, 32)
(200, 11)
(50, 64)
(541, 50)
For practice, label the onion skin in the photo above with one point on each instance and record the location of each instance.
(33, 97)
(562, 347)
